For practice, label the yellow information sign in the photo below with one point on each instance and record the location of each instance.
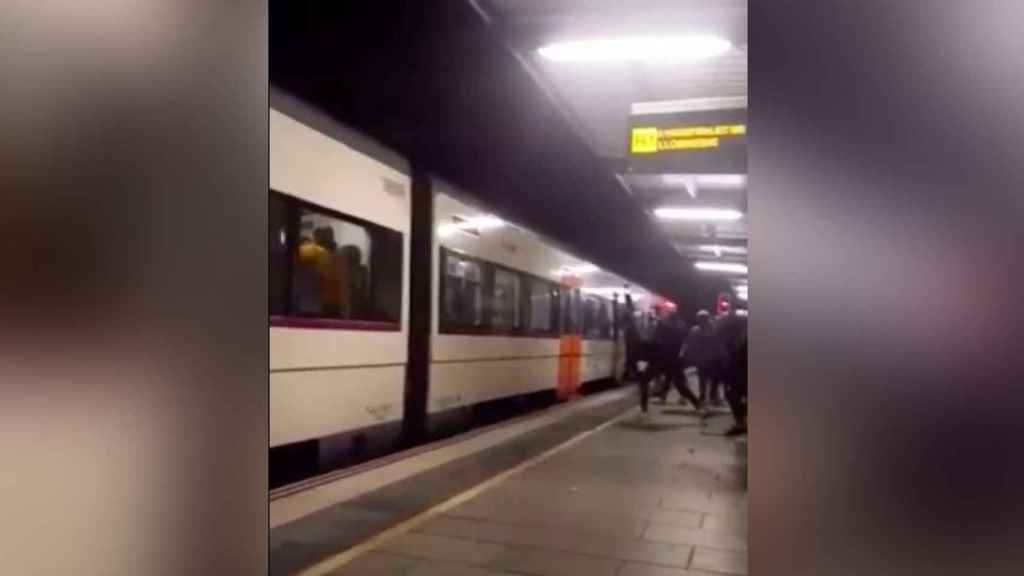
(644, 140)
(650, 140)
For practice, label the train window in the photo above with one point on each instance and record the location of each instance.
(542, 294)
(607, 319)
(479, 297)
(505, 314)
(277, 214)
(571, 312)
(590, 327)
(597, 321)
(327, 266)
(462, 285)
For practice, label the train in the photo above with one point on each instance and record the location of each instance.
(515, 321)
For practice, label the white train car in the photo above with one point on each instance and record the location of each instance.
(337, 363)
(515, 321)
(513, 315)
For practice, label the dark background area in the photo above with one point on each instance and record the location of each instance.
(133, 288)
(885, 341)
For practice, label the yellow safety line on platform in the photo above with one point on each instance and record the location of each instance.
(339, 560)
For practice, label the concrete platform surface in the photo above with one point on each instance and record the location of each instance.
(665, 496)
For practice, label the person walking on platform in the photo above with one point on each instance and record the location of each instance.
(661, 354)
(631, 337)
(733, 333)
(707, 353)
(736, 388)
(674, 376)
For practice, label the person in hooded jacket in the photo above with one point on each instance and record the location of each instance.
(733, 333)
(705, 350)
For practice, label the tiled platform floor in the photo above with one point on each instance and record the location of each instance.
(665, 497)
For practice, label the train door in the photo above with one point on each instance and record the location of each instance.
(570, 343)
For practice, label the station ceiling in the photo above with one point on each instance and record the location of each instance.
(456, 87)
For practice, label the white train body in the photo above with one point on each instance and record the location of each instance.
(332, 379)
(324, 381)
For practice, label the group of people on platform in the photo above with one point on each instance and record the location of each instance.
(717, 348)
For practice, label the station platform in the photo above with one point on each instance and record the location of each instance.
(584, 488)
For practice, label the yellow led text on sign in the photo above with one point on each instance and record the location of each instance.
(644, 140)
(688, 144)
(649, 140)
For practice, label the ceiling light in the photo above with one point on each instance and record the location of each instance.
(688, 105)
(730, 267)
(644, 48)
(718, 249)
(578, 270)
(723, 180)
(688, 182)
(698, 214)
(465, 224)
(705, 180)
(484, 222)
(446, 230)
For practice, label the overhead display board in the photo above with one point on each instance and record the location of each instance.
(697, 142)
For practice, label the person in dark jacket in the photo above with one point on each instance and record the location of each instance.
(673, 346)
(736, 389)
(631, 337)
(661, 354)
(733, 334)
(705, 350)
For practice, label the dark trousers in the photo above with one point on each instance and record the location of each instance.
(645, 392)
(710, 382)
(736, 395)
(672, 370)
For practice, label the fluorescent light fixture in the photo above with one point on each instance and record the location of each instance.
(637, 48)
(688, 105)
(705, 180)
(741, 311)
(730, 267)
(677, 179)
(577, 270)
(479, 223)
(688, 182)
(484, 222)
(718, 249)
(699, 214)
(722, 180)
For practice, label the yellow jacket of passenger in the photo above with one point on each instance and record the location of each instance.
(331, 270)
